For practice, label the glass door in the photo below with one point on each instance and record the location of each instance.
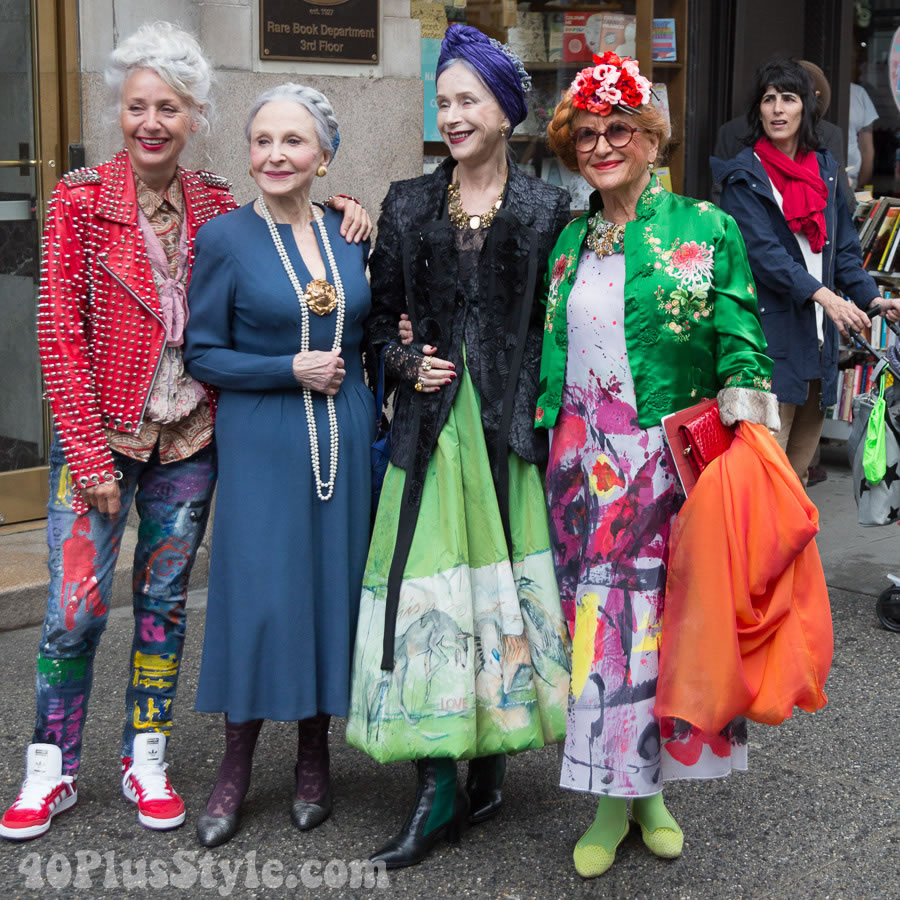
(30, 128)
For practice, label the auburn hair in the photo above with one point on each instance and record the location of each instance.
(561, 130)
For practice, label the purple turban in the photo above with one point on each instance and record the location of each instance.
(500, 69)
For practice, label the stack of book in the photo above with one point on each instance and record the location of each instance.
(881, 336)
(878, 224)
(858, 378)
(852, 381)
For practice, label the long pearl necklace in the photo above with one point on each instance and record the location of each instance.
(324, 489)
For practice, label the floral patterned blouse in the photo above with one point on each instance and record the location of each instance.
(178, 418)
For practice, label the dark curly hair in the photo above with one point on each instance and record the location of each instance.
(787, 76)
(561, 130)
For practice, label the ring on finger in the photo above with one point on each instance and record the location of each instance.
(420, 383)
(426, 364)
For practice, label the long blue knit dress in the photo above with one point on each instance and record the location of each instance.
(286, 567)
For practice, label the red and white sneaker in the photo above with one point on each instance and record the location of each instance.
(45, 792)
(145, 782)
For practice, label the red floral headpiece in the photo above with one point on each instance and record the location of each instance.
(613, 82)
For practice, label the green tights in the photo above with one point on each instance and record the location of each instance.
(651, 812)
(612, 814)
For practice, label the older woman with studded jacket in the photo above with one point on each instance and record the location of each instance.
(130, 425)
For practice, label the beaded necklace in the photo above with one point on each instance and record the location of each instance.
(322, 298)
(605, 238)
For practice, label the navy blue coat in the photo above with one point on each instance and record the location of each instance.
(784, 286)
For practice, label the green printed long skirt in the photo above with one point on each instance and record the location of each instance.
(482, 650)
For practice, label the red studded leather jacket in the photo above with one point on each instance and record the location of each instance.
(100, 327)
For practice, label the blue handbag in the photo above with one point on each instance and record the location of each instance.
(381, 446)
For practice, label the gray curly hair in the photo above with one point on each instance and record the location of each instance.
(174, 55)
(313, 101)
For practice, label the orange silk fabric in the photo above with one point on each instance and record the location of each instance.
(747, 623)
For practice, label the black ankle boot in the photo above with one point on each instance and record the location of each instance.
(412, 845)
(483, 785)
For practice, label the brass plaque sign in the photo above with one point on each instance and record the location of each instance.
(321, 30)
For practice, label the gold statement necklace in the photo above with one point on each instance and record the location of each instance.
(461, 219)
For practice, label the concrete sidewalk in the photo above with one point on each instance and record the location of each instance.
(854, 558)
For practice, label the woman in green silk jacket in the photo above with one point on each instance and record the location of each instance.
(650, 308)
(689, 331)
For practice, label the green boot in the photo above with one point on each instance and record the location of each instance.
(440, 810)
(595, 852)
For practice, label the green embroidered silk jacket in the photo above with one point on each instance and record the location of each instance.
(691, 321)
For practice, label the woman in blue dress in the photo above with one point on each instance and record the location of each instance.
(278, 303)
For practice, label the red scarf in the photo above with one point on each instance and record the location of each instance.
(801, 187)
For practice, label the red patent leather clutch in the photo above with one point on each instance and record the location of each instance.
(696, 437)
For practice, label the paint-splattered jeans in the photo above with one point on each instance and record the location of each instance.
(173, 504)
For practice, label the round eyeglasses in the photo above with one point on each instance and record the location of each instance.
(618, 135)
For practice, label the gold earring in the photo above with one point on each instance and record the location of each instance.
(321, 171)
(250, 172)
(504, 129)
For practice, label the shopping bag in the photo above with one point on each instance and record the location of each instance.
(874, 460)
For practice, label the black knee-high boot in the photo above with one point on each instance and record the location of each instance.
(440, 810)
(484, 786)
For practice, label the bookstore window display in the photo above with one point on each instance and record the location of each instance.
(878, 226)
(556, 39)
(877, 71)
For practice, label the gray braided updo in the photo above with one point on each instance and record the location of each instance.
(313, 101)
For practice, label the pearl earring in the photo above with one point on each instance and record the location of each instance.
(321, 171)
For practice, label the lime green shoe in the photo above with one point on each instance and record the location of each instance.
(661, 833)
(593, 859)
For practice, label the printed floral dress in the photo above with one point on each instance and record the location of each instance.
(613, 495)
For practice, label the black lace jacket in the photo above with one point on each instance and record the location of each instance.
(415, 269)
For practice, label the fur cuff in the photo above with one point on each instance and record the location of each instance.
(738, 404)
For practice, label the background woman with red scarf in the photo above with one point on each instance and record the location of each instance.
(783, 191)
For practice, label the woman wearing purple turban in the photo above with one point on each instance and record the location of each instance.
(462, 650)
